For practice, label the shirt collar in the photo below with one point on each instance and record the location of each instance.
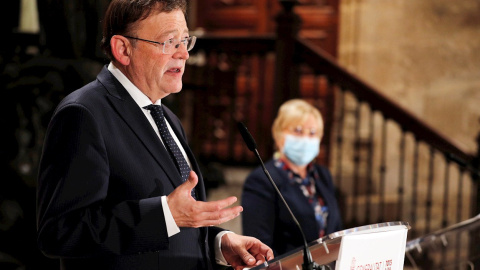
(140, 98)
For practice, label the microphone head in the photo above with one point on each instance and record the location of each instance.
(247, 137)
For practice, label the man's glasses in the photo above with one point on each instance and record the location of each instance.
(170, 46)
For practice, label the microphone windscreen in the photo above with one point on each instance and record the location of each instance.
(247, 137)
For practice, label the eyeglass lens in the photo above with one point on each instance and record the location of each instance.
(172, 45)
(299, 130)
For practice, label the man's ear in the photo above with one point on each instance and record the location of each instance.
(121, 49)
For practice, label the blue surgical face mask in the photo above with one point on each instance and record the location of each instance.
(301, 150)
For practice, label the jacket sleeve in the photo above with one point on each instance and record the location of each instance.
(73, 218)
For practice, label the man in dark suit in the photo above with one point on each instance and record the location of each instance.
(118, 186)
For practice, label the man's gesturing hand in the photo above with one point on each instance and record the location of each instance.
(244, 251)
(187, 212)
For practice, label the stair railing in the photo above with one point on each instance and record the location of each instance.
(387, 164)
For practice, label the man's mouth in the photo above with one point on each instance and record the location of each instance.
(174, 70)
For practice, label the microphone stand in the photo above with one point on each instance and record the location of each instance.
(308, 263)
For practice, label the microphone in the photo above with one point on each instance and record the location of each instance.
(308, 263)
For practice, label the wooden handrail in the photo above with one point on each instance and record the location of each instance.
(321, 61)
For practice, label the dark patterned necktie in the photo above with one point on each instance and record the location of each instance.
(157, 113)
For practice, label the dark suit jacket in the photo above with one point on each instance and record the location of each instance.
(102, 173)
(266, 217)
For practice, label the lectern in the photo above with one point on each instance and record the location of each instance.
(378, 246)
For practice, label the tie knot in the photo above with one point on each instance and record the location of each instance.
(156, 109)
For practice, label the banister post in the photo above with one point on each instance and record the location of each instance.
(476, 176)
(286, 68)
(475, 234)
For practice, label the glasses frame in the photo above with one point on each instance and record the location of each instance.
(191, 38)
(300, 131)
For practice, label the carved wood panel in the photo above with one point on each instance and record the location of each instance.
(252, 84)
(319, 18)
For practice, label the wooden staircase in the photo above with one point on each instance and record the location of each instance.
(387, 164)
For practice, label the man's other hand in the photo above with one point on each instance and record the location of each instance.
(187, 212)
(244, 251)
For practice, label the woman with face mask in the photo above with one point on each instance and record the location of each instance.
(306, 186)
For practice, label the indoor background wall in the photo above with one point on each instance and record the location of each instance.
(423, 54)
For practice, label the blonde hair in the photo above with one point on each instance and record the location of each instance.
(293, 113)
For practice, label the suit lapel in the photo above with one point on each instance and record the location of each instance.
(129, 111)
(327, 195)
(321, 187)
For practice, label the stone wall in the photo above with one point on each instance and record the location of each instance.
(423, 54)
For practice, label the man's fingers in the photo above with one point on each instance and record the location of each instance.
(266, 254)
(223, 217)
(195, 216)
(218, 205)
(268, 251)
(263, 250)
(260, 259)
(247, 258)
(218, 217)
